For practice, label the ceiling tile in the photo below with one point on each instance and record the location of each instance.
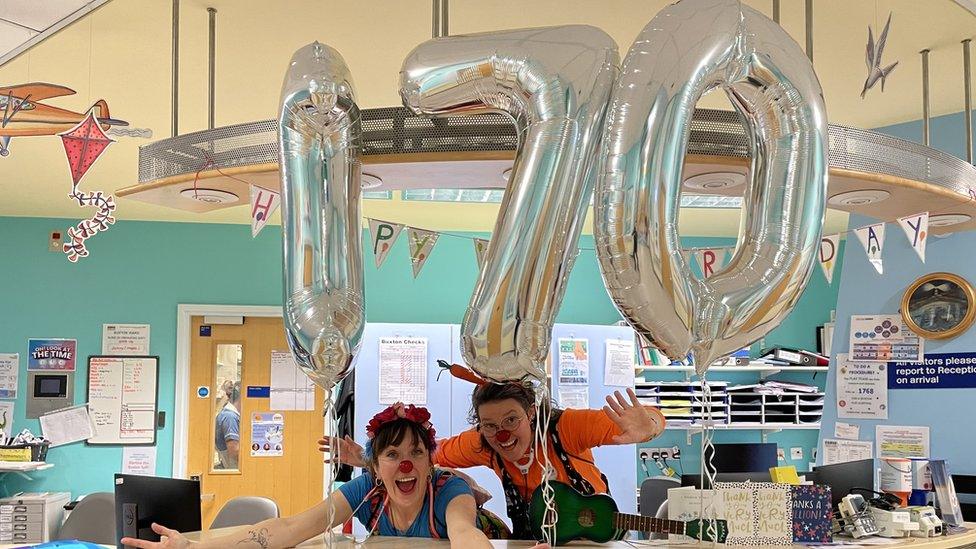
(38, 15)
(12, 36)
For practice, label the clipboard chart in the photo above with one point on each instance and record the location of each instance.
(123, 398)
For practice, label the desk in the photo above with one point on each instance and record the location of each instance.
(958, 541)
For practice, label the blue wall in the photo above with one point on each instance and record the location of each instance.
(946, 133)
(139, 271)
(862, 291)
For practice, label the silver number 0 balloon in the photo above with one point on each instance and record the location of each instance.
(555, 83)
(687, 49)
(319, 144)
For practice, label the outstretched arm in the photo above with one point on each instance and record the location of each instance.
(637, 423)
(268, 534)
(462, 532)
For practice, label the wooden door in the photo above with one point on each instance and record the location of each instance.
(293, 480)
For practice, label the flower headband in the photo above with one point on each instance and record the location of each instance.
(409, 412)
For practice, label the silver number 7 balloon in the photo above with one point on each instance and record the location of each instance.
(320, 138)
(555, 83)
(689, 48)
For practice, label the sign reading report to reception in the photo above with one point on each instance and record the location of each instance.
(939, 371)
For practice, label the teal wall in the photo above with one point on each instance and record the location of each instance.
(139, 271)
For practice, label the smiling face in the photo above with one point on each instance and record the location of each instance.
(402, 465)
(507, 426)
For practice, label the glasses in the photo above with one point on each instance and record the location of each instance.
(509, 424)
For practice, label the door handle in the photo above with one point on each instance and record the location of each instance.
(206, 497)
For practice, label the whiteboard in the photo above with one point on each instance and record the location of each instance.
(123, 398)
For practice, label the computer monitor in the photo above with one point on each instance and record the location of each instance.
(743, 458)
(844, 477)
(696, 480)
(142, 500)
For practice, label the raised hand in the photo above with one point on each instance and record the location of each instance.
(171, 540)
(636, 423)
(350, 452)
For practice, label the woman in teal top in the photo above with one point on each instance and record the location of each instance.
(400, 495)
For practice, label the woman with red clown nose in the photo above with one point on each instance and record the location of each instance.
(504, 418)
(400, 494)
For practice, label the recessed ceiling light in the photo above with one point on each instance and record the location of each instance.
(370, 181)
(859, 198)
(210, 196)
(946, 220)
(714, 181)
(506, 174)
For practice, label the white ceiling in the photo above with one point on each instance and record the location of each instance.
(24, 23)
(122, 53)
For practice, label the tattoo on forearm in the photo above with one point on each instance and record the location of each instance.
(259, 537)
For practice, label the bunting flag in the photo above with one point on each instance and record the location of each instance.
(686, 255)
(710, 260)
(916, 228)
(872, 238)
(828, 255)
(480, 249)
(263, 205)
(384, 235)
(421, 244)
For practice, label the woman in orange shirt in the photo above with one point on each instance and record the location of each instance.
(504, 416)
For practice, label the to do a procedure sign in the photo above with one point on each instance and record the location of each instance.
(939, 371)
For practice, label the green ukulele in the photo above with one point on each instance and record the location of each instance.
(596, 518)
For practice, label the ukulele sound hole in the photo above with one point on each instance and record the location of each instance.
(586, 518)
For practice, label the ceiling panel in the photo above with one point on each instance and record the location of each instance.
(12, 36)
(38, 15)
(44, 18)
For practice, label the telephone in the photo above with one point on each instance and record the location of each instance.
(854, 517)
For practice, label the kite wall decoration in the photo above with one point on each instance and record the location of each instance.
(83, 145)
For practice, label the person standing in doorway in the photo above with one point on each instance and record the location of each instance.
(227, 431)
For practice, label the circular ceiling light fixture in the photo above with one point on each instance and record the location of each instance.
(715, 181)
(947, 220)
(210, 196)
(506, 174)
(370, 181)
(859, 198)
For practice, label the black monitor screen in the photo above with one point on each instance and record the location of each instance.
(141, 501)
(844, 477)
(743, 458)
(50, 386)
(697, 480)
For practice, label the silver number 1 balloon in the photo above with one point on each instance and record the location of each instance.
(687, 49)
(320, 138)
(555, 83)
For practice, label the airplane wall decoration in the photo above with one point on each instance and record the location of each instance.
(24, 114)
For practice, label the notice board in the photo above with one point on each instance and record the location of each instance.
(123, 398)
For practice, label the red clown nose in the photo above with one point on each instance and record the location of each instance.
(406, 466)
(503, 436)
